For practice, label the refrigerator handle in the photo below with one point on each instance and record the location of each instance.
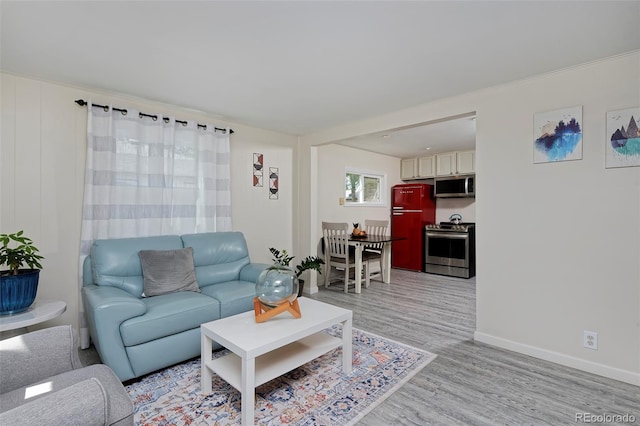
(397, 208)
(398, 214)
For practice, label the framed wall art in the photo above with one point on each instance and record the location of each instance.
(623, 138)
(273, 183)
(558, 135)
(258, 165)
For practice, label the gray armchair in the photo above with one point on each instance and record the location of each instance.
(42, 381)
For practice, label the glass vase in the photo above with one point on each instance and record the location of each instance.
(277, 284)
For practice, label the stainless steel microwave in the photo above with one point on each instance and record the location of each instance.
(455, 186)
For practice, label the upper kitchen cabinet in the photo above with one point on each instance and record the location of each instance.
(427, 167)
(409, 168)
(418, 168)
(456, 163)
(446, 164)
(466, 162)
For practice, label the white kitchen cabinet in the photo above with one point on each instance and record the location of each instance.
(427, 167)
(465, 162)
(446, 164)
(409, 168)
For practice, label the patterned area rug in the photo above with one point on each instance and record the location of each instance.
(318, 393)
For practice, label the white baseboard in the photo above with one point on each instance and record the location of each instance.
(562, 359)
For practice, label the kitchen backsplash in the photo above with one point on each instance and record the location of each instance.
(466, 207)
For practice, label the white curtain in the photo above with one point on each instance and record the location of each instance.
(147, 176)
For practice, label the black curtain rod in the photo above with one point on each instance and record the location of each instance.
(82, 102)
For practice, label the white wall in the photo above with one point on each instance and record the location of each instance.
(265, 222)
(333, 161)
(557, 244)
(42, 157)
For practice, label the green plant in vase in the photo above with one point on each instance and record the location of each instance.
(281, 257)
(309, 262)
(18, 286)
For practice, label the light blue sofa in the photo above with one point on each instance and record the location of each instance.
(135, 335)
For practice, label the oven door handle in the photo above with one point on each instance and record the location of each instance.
(447, 235)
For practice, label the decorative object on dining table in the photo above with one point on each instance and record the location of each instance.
(18, 287)
(357, 232)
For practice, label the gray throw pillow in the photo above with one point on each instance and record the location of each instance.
(168, 271)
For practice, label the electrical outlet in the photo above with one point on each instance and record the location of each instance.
(590, 340)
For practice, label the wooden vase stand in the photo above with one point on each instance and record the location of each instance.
(264, 312)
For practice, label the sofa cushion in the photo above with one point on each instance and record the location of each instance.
(169, 314)
(218, 256)
(115, 262)
(234, 296)
(168, 271)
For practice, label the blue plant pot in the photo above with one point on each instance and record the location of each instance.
(17, 292)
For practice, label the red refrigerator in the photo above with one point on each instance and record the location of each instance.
(412, 207)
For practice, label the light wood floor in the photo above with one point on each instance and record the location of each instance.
(469, 383)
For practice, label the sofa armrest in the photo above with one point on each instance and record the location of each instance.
(83, 403)
(35, 356)
(107, 308)
(251, 271)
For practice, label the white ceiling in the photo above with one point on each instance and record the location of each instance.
(302, 67)
(450, 134)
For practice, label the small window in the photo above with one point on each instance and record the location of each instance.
(364, 188)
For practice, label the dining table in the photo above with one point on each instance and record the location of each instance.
(360, 242)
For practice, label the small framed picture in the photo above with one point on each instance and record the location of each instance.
(558, 135)
(258, 165)
(273, 183)
(623, 138)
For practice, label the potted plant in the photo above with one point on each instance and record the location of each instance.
(281, 257)
(18, 286)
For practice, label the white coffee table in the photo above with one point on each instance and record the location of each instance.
(263, 351)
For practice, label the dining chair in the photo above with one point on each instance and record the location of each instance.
(337, 253)
(373, 253)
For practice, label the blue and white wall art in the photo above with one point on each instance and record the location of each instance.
(623, 138)
(558, 135)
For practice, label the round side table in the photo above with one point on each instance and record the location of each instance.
(40, 311)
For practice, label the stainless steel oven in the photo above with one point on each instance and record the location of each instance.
(450, 249)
